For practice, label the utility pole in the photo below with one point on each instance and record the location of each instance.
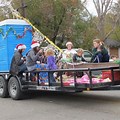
(23, 6)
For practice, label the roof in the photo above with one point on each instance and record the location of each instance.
(13, 22)
(112, 43)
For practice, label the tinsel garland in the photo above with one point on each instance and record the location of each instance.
(14, 32)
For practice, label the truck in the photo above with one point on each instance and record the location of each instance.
(74, 77)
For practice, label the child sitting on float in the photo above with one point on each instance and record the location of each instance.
(78, 56)
(68, 53)
(51, 65)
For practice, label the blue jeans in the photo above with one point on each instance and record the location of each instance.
(98, 58)
(22, 68)
(51, 77)
(106, 58)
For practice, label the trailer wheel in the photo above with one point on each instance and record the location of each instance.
(3, 87)
(14, 89)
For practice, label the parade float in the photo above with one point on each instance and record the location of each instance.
(93, 76)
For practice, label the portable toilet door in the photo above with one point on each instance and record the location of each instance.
(13, 32)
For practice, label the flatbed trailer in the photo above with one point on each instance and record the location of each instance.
(15, 86)
(15, 31)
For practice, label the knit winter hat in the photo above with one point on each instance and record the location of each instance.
(35, 44)
(20, 46)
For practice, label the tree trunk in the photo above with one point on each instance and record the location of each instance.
(58, 26)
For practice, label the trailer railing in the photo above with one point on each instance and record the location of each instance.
(76, 86)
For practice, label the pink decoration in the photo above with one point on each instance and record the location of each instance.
(85, 80)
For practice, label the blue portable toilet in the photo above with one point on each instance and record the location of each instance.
(13, 32)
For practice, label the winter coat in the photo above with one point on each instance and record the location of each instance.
(16, 63)
(31, 60)
(51, 63)
(100, 56)
(77, 58)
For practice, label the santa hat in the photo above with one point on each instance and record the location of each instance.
(69, 43)
(35, 44)
(20, 46)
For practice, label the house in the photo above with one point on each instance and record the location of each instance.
(113, 47)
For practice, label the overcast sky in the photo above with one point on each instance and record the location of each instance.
(90, 7)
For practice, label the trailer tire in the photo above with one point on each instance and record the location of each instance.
(3, 87)
(14, 89)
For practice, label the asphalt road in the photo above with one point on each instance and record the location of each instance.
(98, 105)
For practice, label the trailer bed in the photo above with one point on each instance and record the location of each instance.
(67, 81)
(90, 69)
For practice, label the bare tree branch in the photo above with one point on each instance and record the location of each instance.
(84, 1)
(107, 6)
(112, 30)
(91, 17)
(97, 7)
(117, 18)
(102, 7)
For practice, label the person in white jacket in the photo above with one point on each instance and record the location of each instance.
(69, 52)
